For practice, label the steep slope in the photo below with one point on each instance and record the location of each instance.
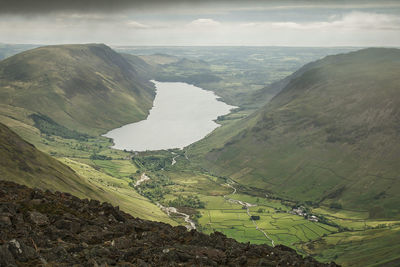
(88, 88)
(262, 96)
(40, 228)
(144, 69)
(331, 135)
(21, 162)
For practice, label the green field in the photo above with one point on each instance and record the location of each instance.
(118, 190)
(373, 247)
(284, 228)
(344, 231)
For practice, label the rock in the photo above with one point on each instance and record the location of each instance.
(36, 194)
(38, 218)
(5, 219)
(20, 251)
(15, 247)
(63, 224)
(122, 243)
(58, 254)
(184, 256)
(242, 260)
(6, 258)
(75, 227)
(265, 262)
(141, 263)
(74, 232)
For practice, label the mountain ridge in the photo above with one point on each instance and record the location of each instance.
(88, 88)
(328, 136)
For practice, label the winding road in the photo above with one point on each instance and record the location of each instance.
(247, 206)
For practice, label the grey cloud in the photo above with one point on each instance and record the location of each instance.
(92, 6)
(83, 6)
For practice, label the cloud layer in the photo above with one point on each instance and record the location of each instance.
(350, 21)
(107, 6)
(88, 6)
(193, 22)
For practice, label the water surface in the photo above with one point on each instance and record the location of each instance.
(182, 114)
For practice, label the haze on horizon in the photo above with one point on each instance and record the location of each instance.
(191, 22)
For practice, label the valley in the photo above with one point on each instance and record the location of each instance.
(336, 231)
(242, 179)
(212, 206)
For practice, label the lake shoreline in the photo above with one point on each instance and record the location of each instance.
(181, 115)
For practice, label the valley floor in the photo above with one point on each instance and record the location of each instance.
(169, 179)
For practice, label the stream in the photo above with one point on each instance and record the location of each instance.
(143, 178)
(173, 159)
(247, 206)
(169, 210)
(190, 223)
(190, 226)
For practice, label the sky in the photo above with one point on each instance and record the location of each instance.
(202, 23)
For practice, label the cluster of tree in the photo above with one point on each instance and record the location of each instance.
(324, 220)
(189, 201)
(100, 157)
(152, 163)
(335, 205)
(155, 188)
(49, 127)
(155, 194)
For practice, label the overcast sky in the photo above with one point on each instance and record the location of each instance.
(193, 22)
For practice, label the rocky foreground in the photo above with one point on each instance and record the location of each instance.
(57, 229)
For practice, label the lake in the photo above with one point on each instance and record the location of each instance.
(181, 115)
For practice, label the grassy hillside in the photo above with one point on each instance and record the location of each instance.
(87, 88)
(331, 137)
(144, 69)
(21, 162)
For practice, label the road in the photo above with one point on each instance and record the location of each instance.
(247, 206)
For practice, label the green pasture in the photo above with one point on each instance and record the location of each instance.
(118, 192)
(232, 220)
(374, 247)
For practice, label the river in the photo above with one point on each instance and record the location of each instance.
(181, 115)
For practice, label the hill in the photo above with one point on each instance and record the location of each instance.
(42, 228)
(7, 50)
(21, 162)
(263, 95)
(88, 88)
(142, 67)
(330, 137)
